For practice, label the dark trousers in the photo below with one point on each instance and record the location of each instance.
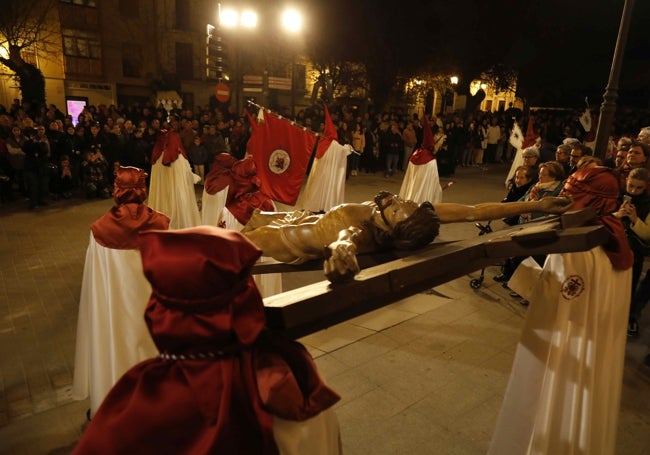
(637, 268)
(37, 187)
(511, 264)
(391, 162)
(490, 153)
(640, 297)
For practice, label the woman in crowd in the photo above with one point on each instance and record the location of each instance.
(518, 186)
(634, 212)
(551, 179)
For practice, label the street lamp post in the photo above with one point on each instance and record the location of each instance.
(608, 108)
(444, 102)
(292, 22)
(454, 83)
(208, 62)
(234, 19)
(453, 80)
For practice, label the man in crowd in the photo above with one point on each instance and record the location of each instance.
(644, 135)
(578, 150)
(563, 156)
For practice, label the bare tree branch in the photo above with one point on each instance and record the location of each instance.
(27, 25)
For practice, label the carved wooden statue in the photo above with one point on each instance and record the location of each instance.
(386, 223)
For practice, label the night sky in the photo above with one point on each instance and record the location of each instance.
(562, 48)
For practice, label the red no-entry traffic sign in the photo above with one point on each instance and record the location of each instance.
(222, 92)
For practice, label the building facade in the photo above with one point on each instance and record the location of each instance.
(125, 51)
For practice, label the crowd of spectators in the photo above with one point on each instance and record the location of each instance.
(47, 154)
(629, 158)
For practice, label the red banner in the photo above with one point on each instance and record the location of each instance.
(281, 151)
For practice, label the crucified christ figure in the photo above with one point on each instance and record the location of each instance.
(346, 230)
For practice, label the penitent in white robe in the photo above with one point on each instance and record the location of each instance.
(171, 192)
(564, 391)
(421, 183)
(215, 213)
(111, 332)
(268, 283)
(325, 186)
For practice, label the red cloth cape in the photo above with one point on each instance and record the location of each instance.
(118, 229)
(220, 378)
(169, 143)
(598, 187)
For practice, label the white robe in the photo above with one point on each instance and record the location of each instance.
(421, 183)
(318, 435)
(111, 332)
(171, 192)
(214, 213)
(212, 206)
(268, 283)
(564, 391)
(325, 186)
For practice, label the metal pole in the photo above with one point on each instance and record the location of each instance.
(238, 78)
(608, 108)
(209, 29)
(293, 86)
(444, 103)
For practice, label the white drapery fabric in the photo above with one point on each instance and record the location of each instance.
(564, 391)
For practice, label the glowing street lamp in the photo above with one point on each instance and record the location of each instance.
(248, 19)
(292, 21)
(233, 19)
(230, 18)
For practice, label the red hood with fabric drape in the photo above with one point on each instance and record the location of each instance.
(221, 377)
(118, 229)
(220, 175)
(598, 187)
(244, 195)
(240, 176)
(169, 145)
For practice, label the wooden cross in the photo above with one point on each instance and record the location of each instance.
(388, 277)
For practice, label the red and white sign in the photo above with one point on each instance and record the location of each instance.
(222, 92)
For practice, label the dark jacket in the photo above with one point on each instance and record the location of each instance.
(36, 157)
(515, 194)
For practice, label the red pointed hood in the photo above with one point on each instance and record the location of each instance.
(424, 154)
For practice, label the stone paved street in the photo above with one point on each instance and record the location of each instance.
(425, 375)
